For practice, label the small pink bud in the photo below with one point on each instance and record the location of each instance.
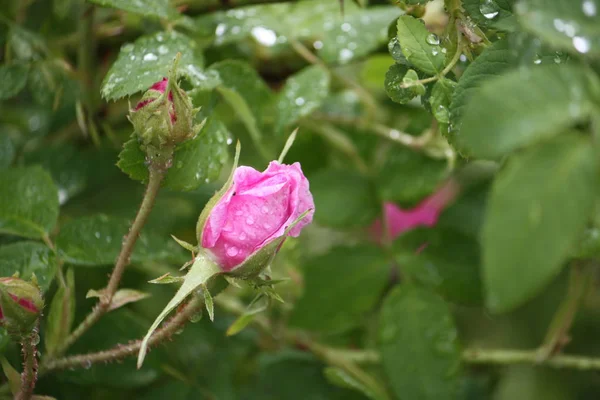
(20, 305)
(160, 87)
(256, 210)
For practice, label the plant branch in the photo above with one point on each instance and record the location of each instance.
(157, 174)
(366, 97)
(122, 351)
(506, 356)
(557, 335)
(30, 366)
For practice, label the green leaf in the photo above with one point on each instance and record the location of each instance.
(27, 258)
(324, 306)
(45, 82)
(62, 8)
(246, 93)
(67, 164)
(398, 75)
(407, 177)
(419, 46)
(13, 78)
(497, 14)
(303, 93)
(418, 345)
(338, 377)
(563, 23)
(62, 313)
(337, 37)
(255, 308)
(13, 377)
(538, 206)
(148, 60)
(28, 202)
(492, 126)
(494, 60)
(444, 260)
(332, 188)
(196, 161)
(441, 96)
(96, 241)
(120, 298)
(353, 35)
(148, 8)
(7, 151)
(296, 376)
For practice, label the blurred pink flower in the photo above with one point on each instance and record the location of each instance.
(425, 213)
(255, 210)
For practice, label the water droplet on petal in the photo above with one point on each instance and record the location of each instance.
(243, 236)
(232, 251)
(250, 220)
(264, 209)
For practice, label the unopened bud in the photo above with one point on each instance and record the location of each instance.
(20, 305)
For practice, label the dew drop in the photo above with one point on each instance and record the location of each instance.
(97, 234)
(250, 220)
(300, 101)
(239, 213)
(433, 39)
(87, 364)
(232, 251)
(318, 45)
(243, 236)
(229, 141)
(589, 8)
(150, 57)
(346, 55)
(489, 9)
(581, 44)
(35, 338)
(264, 209)
(346, 27)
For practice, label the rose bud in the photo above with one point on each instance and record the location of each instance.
(244, 225)
(164, 116)
(425, 213)
(20, 305)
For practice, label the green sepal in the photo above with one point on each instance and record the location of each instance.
(167, 278)
(202, 272)
(188, 246)
(215, 199)
(208, 302)
(261, 259)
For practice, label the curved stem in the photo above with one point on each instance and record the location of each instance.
(122, 351)
(30, 366)
(156, 177)
(505, 356)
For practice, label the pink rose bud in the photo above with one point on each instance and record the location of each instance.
(159, 87)
(424, 214)
(20, 305)
(256, 210)
(164, 117)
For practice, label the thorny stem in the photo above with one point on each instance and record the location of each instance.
(30, 366)
(122, 351)
(156, 176)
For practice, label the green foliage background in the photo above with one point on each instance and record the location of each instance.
(392, 100)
